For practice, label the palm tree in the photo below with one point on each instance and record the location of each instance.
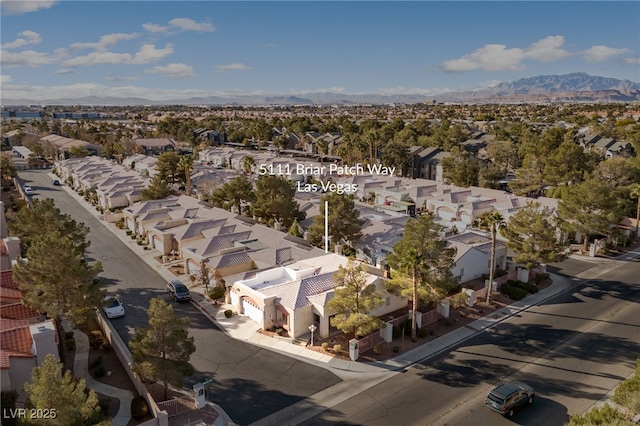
(635, 193)
(248, 166)
(186, 165)
(490, 221)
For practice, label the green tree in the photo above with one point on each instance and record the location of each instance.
(73, 404)
(162, 350)
(248, 165)
(460, 169)
(605, 415)
(61, 284)
(396, 154)
(421, 265)
(157, 190)
(353, 301)
(233, 193)
(44, 217)
(627, 394)
(344, 221)
(168, 168)
(491, 221)
(185, 167)
(635, 193)
(275, 201)
(78, 152)
(534, 236)
(7, 169)
(295, 229)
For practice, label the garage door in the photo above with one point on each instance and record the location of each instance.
(252, 312)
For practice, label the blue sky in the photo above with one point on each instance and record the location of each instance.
(170, 49)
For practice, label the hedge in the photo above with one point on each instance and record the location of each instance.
(515, 293)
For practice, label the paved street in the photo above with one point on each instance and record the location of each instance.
(249, 382)
(573, 350)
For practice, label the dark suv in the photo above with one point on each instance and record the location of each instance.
(178, 290)
(508, 396)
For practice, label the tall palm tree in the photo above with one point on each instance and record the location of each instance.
(186, 165)
(635, 193)
(490, 221)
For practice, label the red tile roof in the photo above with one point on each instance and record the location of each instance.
(6, 280)
(17, 311)
(8, 324)
(16, 342)
(10, 293)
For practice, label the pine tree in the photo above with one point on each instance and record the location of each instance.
(52, 391)
(354, 299)
(344, 221)
(275, 201)
(421, 265)
(162, 350)
(534, 235)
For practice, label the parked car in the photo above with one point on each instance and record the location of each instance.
(27, 190)
(55, 182)
(112, 307)
(509, 396)
(178, 291)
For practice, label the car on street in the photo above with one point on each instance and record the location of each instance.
(27, 190)
(112, 307)
(178, 291)
(507, 397)
(55, 182)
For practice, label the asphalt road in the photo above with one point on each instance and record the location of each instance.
(248, 382)
(573, 350)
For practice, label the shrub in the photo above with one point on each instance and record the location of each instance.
(325, 345)
(216, 293)
(96, 339)
(228, 313)
(423, 332)
(129, 232)
(139, 408)
(528, 287)
(500, 273)
(96, 362)
(377, 350)
(280, 331)
(515, 293)
(70, 344)
(337, 348)
(459, 300)
(396, 349)
(541, 277)
(99, 371)
(8, 402)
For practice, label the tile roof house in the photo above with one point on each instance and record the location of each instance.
(473, 255)
(295, 296)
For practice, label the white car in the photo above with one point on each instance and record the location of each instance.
(112, 307)
(27, 190)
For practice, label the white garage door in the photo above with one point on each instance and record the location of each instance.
(252, 312)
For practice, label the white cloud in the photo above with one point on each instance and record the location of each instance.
(146, 53)
(106, 41)
(118, 78)
(602, 53)
(5, 79)
(98, 58)
(155, 28)
(22, 7)
(173, 71)
(232, 67)
(548, 49)
(28, 58)
(632, 60)
(497, 57)
(186, 24)
(491, 57)
(28, 38)
(64, 71)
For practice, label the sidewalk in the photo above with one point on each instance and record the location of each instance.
(81, 369)
(242, 328)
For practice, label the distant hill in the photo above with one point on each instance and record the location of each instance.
(574, 87)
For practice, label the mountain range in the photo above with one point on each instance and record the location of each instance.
(574, 87)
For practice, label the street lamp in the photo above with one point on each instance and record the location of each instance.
(312, 328)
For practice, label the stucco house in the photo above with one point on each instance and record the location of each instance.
(295, 296)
